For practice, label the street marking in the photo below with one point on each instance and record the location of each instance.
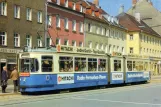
(112, 101)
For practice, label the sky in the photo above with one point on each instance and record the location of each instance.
(112, 6)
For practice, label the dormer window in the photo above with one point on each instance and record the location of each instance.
(84, 10)
(74, 6)
(66, 3)
(58, 2)
(93, 13)
(81, 8)
(100, 16)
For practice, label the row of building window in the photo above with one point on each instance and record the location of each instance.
(66, 42)
(107, 48)
(150, 40)
(17, 9)
(144, 50)
(147, 51)
(66, 23)
(147, 39)
(3, 40)
(82, 9)
(105, 31)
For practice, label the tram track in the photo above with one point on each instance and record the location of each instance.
(30, 99)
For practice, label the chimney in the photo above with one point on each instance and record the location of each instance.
(137, 17)
(121, 10)
(134, 2)
(150, 2)
(96, 2)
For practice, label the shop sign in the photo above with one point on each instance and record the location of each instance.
(79, 50)
(3, 60)
(116, 54)
(6, 50)
(137, 56)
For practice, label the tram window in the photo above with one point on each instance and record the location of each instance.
(80, 64)
(117, 65)
(101, 64)
(92, 64)
(34, 65)
(47, 62)
(25, 65)
(66, 64)
(129, 65)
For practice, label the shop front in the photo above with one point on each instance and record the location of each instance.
(8, 58)
(155, 65)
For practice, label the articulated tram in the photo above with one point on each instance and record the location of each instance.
(66, 67)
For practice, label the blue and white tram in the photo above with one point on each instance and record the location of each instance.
(68, 67)
(64, 68)
(137, 69)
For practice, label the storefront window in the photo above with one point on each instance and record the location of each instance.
(141, 66)
(80, 64)
(101, 64)
(92, 64)
(47, 63)
(117, 65)
(66, 64)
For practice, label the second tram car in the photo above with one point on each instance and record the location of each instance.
(66, 67)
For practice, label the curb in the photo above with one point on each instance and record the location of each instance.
(9, 94)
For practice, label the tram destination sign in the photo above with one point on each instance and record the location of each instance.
(70, 49)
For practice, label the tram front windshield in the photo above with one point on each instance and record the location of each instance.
(28, 65)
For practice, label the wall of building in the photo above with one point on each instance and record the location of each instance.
(134, 43)
(92, 36)
(150, 45)
(117, 41)
(62, 33)
(11, 25)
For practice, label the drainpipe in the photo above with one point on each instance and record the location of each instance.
(84, 33)
(46, 5)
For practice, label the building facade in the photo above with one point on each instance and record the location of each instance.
(66, 23)
(103, 31)
(22, 24)
(142, 40)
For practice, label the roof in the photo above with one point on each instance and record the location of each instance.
(132, 24)
(95, 18)
(149, 14)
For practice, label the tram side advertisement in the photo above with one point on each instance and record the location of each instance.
(117, 78)
(137, 76)
(86, 79)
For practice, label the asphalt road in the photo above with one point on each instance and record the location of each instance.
(145, 95)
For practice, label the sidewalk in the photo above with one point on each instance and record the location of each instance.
(9, 91)
(156, 79)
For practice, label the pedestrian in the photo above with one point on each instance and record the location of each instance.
(4, 79)
(14, 76)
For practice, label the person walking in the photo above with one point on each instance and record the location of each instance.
(4, 79)
(14, 76)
